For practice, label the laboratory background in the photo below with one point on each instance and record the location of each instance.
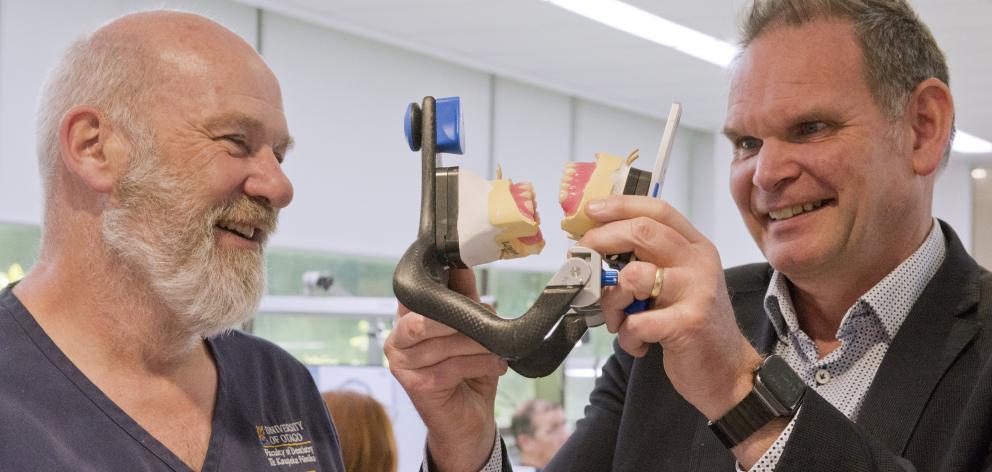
(542, 83)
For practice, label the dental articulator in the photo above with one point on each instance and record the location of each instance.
(467, 220)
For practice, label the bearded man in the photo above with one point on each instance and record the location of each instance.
(160, 140)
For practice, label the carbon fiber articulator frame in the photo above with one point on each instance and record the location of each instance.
(536, 343)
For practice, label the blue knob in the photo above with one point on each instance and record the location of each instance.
(609, 278)
(448, 117)
(411, 126)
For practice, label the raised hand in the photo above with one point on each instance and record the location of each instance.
(451, 380)
(707, 358)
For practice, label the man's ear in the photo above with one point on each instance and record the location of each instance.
(90, 149)
(931, 115)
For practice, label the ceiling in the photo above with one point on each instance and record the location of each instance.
(539, 43)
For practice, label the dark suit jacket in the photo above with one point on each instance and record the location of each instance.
(929, 407)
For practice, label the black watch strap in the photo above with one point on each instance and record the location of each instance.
(777, 393)
(741, 422)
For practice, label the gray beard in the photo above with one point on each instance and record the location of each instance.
(158, 232)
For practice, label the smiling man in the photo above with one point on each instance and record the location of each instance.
(161, 137)
(865, 343)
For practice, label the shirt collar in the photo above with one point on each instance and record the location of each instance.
(890, 300)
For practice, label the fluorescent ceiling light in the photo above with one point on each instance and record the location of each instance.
(653, 28)
(968, 144)
(977, 174)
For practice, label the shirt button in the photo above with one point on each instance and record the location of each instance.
(822, 376)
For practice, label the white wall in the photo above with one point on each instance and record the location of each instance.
(32, 37)
(952, 199)
(357, 183)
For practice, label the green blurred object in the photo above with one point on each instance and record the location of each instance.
(19, 245)
(359, 276)
(318, 340)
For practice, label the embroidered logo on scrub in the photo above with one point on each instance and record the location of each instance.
(286, 444)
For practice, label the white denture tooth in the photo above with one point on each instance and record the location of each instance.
(529, 205)
(562, 195)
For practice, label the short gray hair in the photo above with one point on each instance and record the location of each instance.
(898, 49)
(103, 73)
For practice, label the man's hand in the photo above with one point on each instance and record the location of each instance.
(452, 382)
(708, 360)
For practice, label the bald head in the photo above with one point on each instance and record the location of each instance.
(166, 29)
(134, 65)
(180, 45)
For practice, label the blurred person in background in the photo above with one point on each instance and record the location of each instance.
(539, 428)
(366, 434)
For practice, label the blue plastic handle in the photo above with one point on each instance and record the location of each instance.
(450, 126)
(637, 307)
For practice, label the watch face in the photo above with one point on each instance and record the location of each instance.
(781, 381)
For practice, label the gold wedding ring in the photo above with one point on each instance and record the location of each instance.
(659, 282)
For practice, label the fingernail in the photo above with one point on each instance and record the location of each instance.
(596, 205)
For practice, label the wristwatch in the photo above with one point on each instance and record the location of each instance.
(777, 392)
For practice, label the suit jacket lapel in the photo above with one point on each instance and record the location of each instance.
(927, 343)
(747, 294)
